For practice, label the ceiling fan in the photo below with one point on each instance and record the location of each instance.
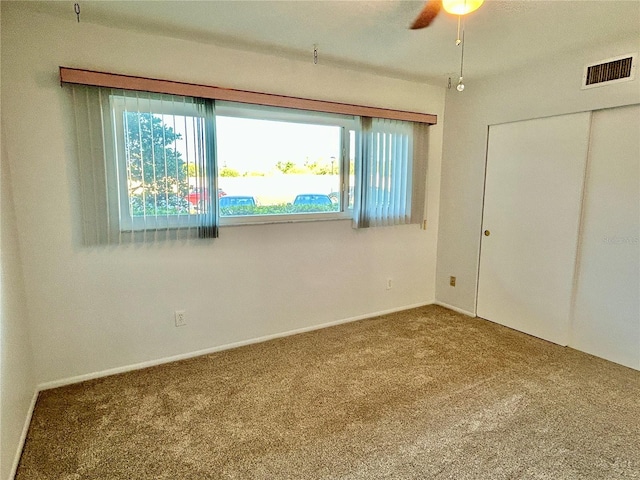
(457, 7)
(433, 7)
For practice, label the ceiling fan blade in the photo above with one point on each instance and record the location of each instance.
(428, 13)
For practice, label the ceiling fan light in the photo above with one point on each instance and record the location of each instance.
(461, 7)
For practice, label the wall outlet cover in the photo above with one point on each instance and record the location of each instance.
(180, 318)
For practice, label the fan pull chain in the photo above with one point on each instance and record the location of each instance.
(315, 54)
(76, 8)
(460, 86)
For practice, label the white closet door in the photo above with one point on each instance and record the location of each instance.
(606, 319)
(533, 194)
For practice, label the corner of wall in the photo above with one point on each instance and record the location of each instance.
(17, 379)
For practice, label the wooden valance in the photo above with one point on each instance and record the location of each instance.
(128, 82)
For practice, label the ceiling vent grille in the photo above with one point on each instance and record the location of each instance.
(614, 70)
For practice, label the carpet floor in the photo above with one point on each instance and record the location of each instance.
(421, 394)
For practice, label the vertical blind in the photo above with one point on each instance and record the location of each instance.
(393, 173)
(142, 157)
(148, 168)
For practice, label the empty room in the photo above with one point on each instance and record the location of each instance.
(320, 239)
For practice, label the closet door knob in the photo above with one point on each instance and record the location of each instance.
(487, 233)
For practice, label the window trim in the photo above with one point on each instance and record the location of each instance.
(278, 114)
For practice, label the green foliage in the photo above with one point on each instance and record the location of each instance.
(192, 170)
(309, 168)
(280, 209)
(169, 205)
(285, 167)
(158, 176)
(229, 172)
(317, 169)
(290, 168)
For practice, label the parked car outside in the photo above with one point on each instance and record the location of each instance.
(312, 199)
(237, 201)
(197, 194)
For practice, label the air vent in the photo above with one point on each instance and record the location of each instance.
(613, 70)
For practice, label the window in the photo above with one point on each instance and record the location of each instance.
(159, 145)
(158, 166)
(286, 164)
(273, 164)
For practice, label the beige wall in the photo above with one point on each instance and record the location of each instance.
(93, 310)
(17, 379)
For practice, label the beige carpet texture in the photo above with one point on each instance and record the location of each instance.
(421, 394)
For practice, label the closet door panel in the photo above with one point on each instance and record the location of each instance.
(533, 195)
(606, 320)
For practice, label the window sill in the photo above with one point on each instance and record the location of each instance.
(277, 219)
(256, 220)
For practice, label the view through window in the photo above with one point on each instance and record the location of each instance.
(270, 167)
(265, 166)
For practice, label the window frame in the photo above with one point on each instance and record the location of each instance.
(290, 115)
(118, 105)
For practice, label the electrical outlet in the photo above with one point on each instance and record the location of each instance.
(181, 318)
(452, 281)
(389, 283)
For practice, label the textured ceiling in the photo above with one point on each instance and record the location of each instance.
(374, 35)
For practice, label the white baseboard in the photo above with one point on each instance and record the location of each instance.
(23, 435)
(455, 309)
(152, 363)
